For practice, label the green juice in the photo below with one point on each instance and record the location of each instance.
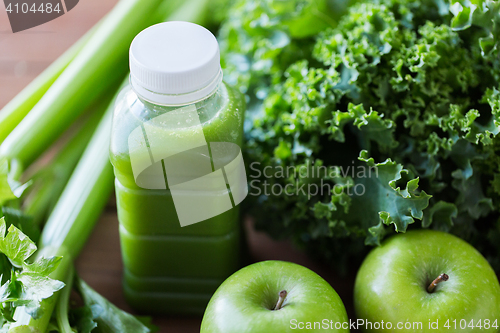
(170, 268)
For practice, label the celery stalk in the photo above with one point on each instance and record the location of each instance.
(15, 111)
(49, 182)
(84, 197)
(97, 67)
(194, 11)
(62, 305)
(74, 217)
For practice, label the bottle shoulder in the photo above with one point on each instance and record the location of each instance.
(220, 118)
(225, 99)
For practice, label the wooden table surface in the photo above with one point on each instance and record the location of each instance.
(26, 54)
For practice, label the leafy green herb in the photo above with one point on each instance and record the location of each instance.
(83, 318)
(10, 188)
(108, 317)
(30, 282)
(20, 220)
(482, 13)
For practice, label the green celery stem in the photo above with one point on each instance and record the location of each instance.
(84, 197)
(63, 303)
(192, 11)
(97, 67)
(15, 168)
(15, 111)
(54, 177)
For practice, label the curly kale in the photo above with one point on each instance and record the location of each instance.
(387, 118)
(260, 39)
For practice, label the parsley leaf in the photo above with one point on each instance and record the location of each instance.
(30, 282)
(10, 188)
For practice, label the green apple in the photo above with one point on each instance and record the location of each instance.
(274, 296)
(426, 281)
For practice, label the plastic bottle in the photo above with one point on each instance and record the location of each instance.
(175, 147)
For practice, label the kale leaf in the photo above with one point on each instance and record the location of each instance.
(408, 89)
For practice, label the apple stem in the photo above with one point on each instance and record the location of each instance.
(439, 279)
(282, 296)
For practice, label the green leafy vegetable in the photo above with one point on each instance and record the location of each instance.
(108, 317)
(30, 282)
(10, 188)
(23, 222)
(411, 83)
(482, 13)
(15, 245)
(83, 318)
(260, 39)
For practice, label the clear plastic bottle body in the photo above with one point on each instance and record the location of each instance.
(169, 268)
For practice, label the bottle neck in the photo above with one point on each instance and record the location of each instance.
(159, 98)
(207, 107)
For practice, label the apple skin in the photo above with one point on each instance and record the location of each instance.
(391, 284)
(243, 303)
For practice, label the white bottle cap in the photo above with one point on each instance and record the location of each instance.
(175, 63)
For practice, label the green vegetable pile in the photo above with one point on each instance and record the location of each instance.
(29, 283)
(384, 122)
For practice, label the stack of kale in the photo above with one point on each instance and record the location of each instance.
(409, 88)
